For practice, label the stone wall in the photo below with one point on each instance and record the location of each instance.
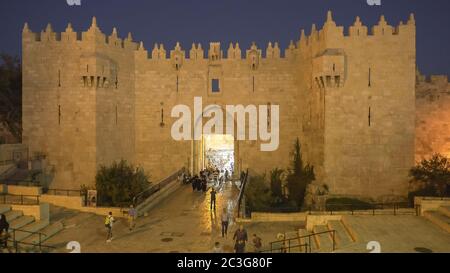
(432, 117)
(90, 99)
(160, 86)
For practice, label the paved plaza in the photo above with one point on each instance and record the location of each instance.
(184, 223)
(181, 223)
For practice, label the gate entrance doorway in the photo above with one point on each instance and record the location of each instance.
(216, 151)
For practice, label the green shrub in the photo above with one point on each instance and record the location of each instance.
(276, 185)
(258, 196)
(434, 176)
(119, 183)
(299, 176)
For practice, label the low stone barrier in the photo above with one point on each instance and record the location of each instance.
(316, 220)
(116, 212)
(274, 217)
(77, 203)
(39, 212)
(423, 204)
(22, 190)
(70, 202)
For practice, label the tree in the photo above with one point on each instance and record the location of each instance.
(119, 183)
(257, 194)
(299, 176)
(275, 184)
(11, 95)
(434, 174)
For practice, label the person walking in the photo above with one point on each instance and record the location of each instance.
(225, 221)
(213, 199)
(131, 217)
(240, 238)
(4, 228)
(109, 221)
(227, 175)
(193, 183)
(257, 243)
(204, 186)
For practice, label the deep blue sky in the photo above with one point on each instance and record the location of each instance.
(245, 21)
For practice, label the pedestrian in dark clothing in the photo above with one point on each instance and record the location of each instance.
(204, 186)
(196, 183)
(240, 238)
(4, 228)
(193, 182)
(199, 184)
(257, 243)
(213, 199)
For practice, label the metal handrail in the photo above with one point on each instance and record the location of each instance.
(241, 192)
(3, 199)
(333, 233)
(286, 249)
(152, 189)
(16, 243)
(433, 198)
(66, 192)
(369, 206)
(20, 182)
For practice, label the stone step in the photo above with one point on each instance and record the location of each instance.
(32, 227)
(342, 237)
(21, 222)
(291, 234)
(445, 210)
(12, 214)
(439, 219)
(4, 208)
(48, 231)
(324, 241)
(305, 240)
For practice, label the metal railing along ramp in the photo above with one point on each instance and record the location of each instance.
(146, 199)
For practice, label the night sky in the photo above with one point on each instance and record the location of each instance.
(169, 21)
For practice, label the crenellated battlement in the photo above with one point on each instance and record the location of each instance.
(330, 32)
(93, 34)
(433, 80)
(441, 80)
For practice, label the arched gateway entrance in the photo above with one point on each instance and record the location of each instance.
(217, 149)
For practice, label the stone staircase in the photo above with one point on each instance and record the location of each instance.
(323, 238)
(319, 240)
(342, 236)
(26, 228)
(440, 217)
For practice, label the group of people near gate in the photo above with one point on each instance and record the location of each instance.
(209, 175)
